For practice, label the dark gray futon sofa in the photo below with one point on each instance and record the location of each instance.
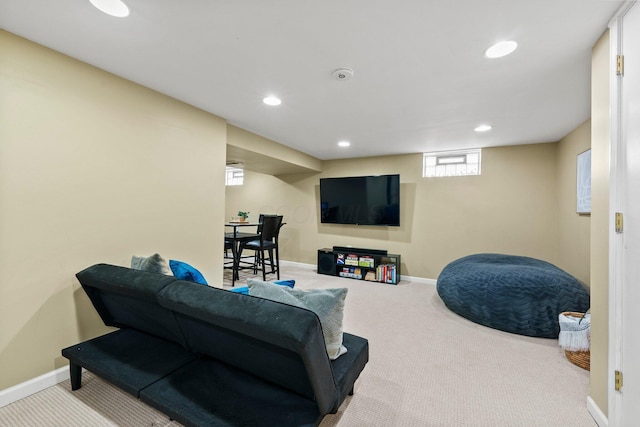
(210, 357)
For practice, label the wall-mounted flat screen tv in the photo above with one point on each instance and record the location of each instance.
(360, 200)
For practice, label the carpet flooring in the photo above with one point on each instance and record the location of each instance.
(428, 368)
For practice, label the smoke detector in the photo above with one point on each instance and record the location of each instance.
(343, 74)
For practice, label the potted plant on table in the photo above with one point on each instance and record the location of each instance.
(242, 216)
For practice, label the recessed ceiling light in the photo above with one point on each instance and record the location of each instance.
(501, 49)
(272, 100)
(344, 144)
(483, 128)
(111, 7)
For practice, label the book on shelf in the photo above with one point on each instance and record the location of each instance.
(351, 260)
(386, 273)
(366, 261)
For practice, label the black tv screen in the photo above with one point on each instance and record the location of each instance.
(360, 200)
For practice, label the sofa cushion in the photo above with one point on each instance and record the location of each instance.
(211, 393)
(234, 328)
(184, 271)
(130, 359)
(124, 297)
(328, 304)
(153, 264)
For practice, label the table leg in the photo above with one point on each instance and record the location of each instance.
(236, 261)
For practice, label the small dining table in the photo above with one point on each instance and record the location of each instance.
(237, 238)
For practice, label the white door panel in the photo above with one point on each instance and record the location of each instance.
(630, 135)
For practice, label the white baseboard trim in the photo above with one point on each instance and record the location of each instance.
(298, 264)
(404, 277)
(419, 280)
(599, 416)
(34, 385)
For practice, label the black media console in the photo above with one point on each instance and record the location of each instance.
(374, 265)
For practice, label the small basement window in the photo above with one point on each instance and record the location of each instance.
(451, 163)
(234, 176)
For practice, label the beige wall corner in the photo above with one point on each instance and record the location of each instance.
(263, 155)
(600, 149)
(93, 168)
(574, 230)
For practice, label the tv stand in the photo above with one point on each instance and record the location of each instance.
(374, 265)
(360, 250)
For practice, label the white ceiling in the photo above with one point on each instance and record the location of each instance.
(421, 82)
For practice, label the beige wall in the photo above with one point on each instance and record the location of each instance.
(93, 168)
(266, 156)
(573, 230)
(600, 222)
(511, 208)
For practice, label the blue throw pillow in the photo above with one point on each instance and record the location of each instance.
(290, 283)
(184, 271)
(243, 290)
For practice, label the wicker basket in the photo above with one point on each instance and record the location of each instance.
(578, 358)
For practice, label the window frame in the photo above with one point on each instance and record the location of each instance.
(440, 164)
(233, 176)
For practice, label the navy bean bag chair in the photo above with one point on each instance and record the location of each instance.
(511, 293)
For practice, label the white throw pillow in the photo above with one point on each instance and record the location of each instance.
(327, 304)
(153, 264)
